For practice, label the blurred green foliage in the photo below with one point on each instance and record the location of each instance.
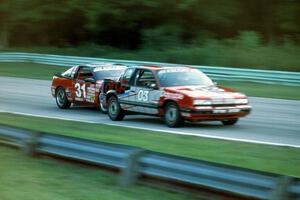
(244, 33)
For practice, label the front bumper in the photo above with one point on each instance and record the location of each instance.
(215, 112)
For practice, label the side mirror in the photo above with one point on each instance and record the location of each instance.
(89, 80)
(153, 86)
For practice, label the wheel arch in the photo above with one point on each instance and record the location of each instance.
(166, 102)
(57, 87)
(110, 94)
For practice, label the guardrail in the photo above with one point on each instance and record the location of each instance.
(134, 162)
(216, 73)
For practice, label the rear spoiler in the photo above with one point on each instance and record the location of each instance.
(57, 74)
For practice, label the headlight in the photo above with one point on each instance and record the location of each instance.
(202, 102)
(241, 101)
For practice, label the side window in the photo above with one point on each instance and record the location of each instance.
(127, 76)
(68, 73)
(73, 73)
(144, 78)
(84, 72)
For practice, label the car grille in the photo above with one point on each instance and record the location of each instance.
(223, 101)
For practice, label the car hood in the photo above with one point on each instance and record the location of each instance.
(206, 92)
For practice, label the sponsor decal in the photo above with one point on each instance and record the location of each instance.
(98, 85)
(169, 95)
(78, 99)
(91, 100)
(221, 111)
(105, 68)
(185, 114)
(172, 70)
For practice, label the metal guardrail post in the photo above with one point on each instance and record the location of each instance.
(30, 144)
(280, 190)
(130, 172)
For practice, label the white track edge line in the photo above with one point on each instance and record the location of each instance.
(160, 130)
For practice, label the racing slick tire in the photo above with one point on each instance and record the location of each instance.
(230, 122)
(115, 112)
(61, 98)
(172, 116)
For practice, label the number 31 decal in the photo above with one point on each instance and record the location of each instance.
(79, 89)
(143, 95)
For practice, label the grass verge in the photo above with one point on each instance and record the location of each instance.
(41, 71)
(264, 90)
(27, 178)
(29, 70)
(282, 160)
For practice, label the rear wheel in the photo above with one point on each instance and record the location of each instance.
(115, 112)
(230, 122)
(61, 98)
(173, 117)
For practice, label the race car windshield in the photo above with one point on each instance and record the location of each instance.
(101, 75)
(172, 78)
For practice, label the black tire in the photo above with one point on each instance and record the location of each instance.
(61, 98)
(115, 112)
(102, 108)
(230, 122)
(172, 115)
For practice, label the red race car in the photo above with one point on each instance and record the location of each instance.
(81, 84)
(175, 93)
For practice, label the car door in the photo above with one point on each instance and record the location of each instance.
(127, 98)
(147, 92)
(84, 86)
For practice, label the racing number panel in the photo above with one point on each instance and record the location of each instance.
(140, 96)
(84, 91)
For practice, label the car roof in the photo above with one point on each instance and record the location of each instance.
(157, 68)
(103, 66)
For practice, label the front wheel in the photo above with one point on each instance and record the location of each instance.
(230, 122)
(115, 112)
(173, 117)
(61, 98)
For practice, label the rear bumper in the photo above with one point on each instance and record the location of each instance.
(53, 91)
(216, 113)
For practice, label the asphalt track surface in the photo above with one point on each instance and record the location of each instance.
(272, 121)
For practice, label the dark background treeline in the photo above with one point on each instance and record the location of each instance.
(146, 24)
